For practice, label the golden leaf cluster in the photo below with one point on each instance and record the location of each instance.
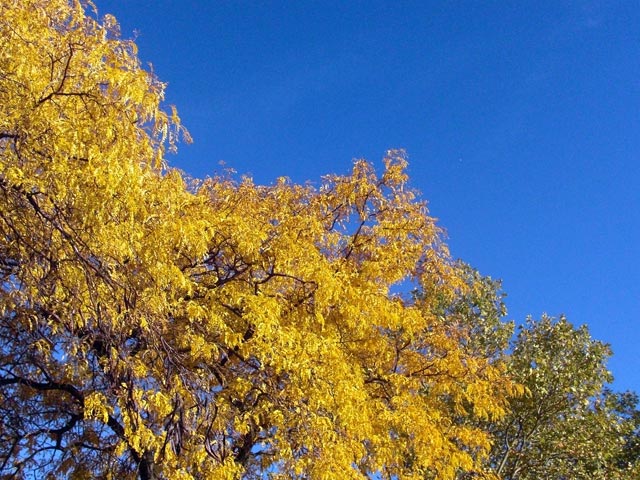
(151, 328)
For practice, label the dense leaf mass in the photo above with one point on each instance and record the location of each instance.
(569, 425)
(157, 327)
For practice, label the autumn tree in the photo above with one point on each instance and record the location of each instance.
(477, 314)
(155, 328)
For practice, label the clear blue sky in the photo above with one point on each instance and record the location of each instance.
(521, 121)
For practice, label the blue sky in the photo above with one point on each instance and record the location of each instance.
(521, 121)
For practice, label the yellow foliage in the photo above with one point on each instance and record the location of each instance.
(219, 331)
(96, 407)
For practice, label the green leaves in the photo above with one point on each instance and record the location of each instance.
(566, 425)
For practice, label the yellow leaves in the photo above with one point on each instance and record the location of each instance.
(96, 407)
(13, 176)
(73, 89)
(42, 346)
(212, 324)
(159, 403)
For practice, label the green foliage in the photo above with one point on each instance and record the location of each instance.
(568, 425)
(479, 312)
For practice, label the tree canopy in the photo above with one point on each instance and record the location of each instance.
(569, 425)
(153, 326)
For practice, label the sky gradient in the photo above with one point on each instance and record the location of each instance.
(521, 121)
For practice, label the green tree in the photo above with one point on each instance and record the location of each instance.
(479, 313)
(625, 408)
(568, 425)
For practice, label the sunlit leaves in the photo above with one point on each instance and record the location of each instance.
(155, 329)
(568, 424)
